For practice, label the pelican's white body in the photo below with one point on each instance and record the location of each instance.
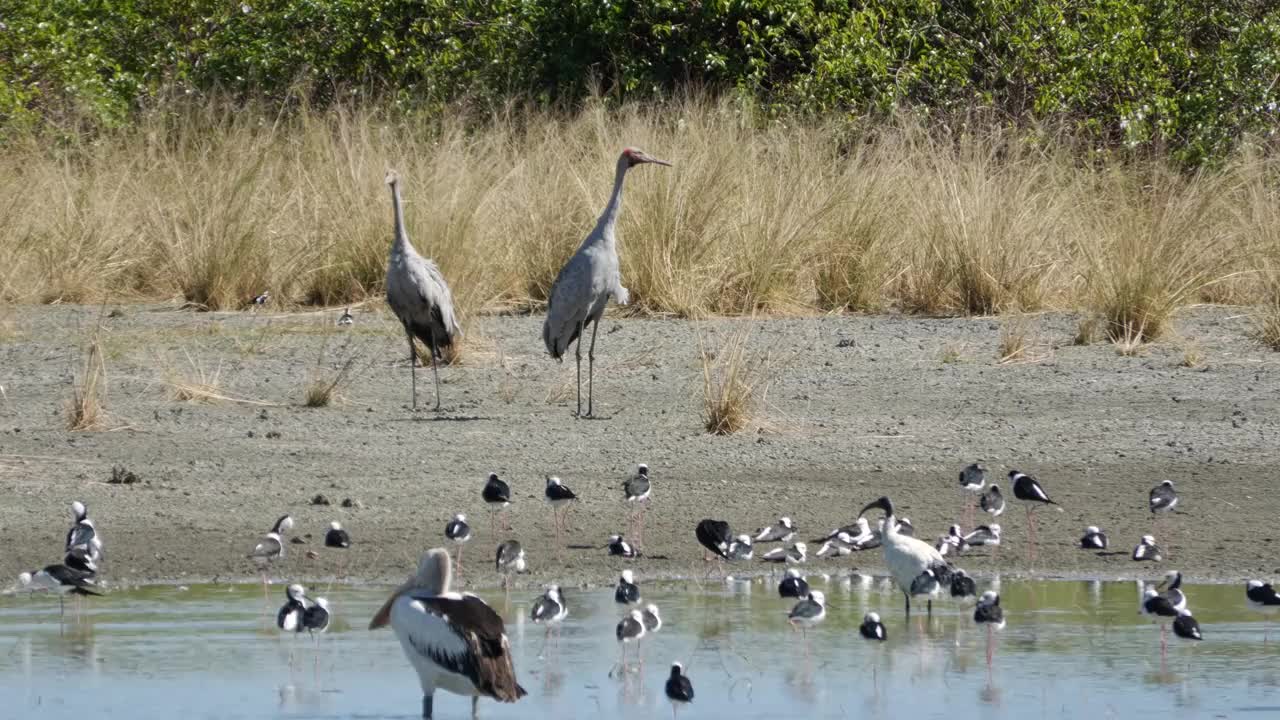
(416, 628)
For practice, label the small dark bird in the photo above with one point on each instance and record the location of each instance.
(992, 501)
(1261, 595)
(337, 537)
(714, 535)
(872, 629)
(316, 617)
(289, 619)
(962, 586)
(1163, 498)
(792, 585)
(619, 547)
(1147, 550)
(497, 495)
(1094, 539)
(262, 299)
(1028, 489)
(627, 591)
(679, 688)
(1186, 627)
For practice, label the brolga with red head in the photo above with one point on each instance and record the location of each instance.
(585, 284)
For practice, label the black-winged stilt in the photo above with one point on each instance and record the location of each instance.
(458, 532)
(1171, 589)
(962, 586)
(972, 480)
(508, 561)
(1028, 490)
(807, 613)
(619, 547)
(1093, 539)
(1161, 611)
(781, 531)
(793, 585)
(1186, 627)
(269, 549)
(549, 610)
(715, 536)
(989, 614)
(337, 537)
(951, 543)
(635, 491)
(992, 502)
(627, 591)
(679, 689)
(740, 548)
(346, 318)
(630, 630)
(497, 496)
(559, 497)
(1147, 550)
(61, 580)
(1263, 598)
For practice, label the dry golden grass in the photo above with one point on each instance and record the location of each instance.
(85, 407)
(212, 205)
(734, 380)
(1087, 332)
(199, 386)
(323, 384)
(1193, 355)
(1020, 343)
(952, 352)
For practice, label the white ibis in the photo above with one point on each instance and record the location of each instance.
(906, 557)
(1028, 490)
(793, 585)
(992, 502)
(497, 496)
(458, 532)
(781, 531)
(679, 688)
(455, 642)
(336, 537)
(636, 491)
(972, 480)
(989, 614)
(627, 591)
(587, 282)
(1147, 550)
(508, 561)
(1093, 539)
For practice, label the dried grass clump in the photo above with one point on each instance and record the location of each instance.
(1019, 343)
(734, 380)
(197, 385)
(323, 384)
(1265, 319)
(85, 407)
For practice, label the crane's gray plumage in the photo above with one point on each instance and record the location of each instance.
(419, 296)
(592, 276)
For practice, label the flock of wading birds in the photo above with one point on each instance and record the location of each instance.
(457, 642)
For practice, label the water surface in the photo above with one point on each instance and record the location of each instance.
(1071, 649)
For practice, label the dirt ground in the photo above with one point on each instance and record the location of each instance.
(856, 407)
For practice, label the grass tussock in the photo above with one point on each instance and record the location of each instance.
(1019, 343)
(734, 381)
(214, 204)
(1265, 319)
(1193, 355)
(84, 410)
(324, 383)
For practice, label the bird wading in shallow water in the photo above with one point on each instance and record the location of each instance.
(585, 284)
(909, 558)
(419, 297)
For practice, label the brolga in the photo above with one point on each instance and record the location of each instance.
(419, 296)
(908, 558)
(585, 284)
(1028, 490)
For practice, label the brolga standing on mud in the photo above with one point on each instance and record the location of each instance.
(585, 284)
(419, 296)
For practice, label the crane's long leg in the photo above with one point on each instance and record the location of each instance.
(413, 363)
(591, 364)
(907, 598)
(577, 355)
(434, 372)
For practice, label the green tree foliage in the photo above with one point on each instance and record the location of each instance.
(1190, 76)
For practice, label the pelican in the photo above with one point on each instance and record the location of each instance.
(908, 558)
(454, 641)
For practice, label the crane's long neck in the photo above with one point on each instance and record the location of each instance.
(401, 242)
(609, 218)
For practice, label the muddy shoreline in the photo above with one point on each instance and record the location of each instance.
(856, 407)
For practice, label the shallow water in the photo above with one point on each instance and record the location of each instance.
(1071, 649)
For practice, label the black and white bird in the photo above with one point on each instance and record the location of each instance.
(714, 535)
(509, 560)
(972, 479)
(559, 497)
(1262, 596)
(1093, 539)
(907, 557)
(346, 318)
(83, 539)
(269, 549)
(1147, 550)
(962, 586)
(627, 592)
(619, 547)
(1161, 611)
(793, 555)
(458, 532)
(1163, 498)
(855, 533)
(315, 620)
(1028, 490)
(679, 688)
(807, 613)
(61, 580)
(1171, 589)
(549, 610)
(262, 299)
(872, 629)
(906, 528)
(635, 491)
(497, 496)
(1186, 627)
(951, 543)
(454, 641)
(992, 502)
(793, 585)
(629, 631)
(984, 535)
(289, 617)
(741, 548)
(781, 531)
(990, 615)
(337, 537)
(652, 619)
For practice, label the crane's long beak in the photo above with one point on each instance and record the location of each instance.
(656, 161)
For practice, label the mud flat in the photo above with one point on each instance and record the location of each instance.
(856, 407)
